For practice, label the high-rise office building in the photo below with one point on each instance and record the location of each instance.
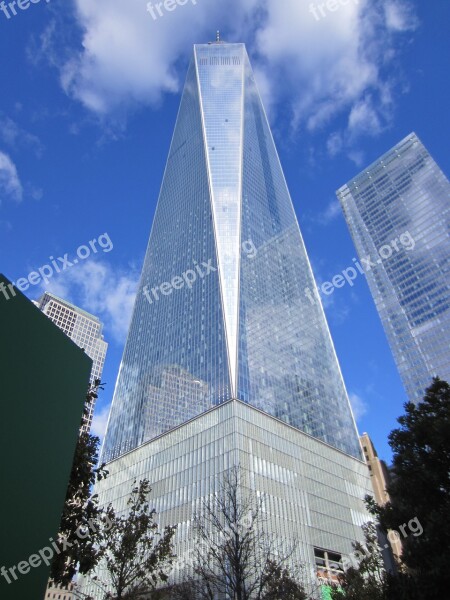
(227, 361)
(85, 330)
(398, 213)
(221, 310)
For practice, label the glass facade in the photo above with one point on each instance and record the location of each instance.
(221, 311)
(313, 494)
(398, 209)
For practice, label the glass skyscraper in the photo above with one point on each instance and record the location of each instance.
(221, 310)
(228, 362)
(402, 202)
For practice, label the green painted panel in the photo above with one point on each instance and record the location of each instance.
(43, 381)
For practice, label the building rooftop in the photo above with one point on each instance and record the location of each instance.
(72, 306)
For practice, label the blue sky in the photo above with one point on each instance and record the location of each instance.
(89, 96)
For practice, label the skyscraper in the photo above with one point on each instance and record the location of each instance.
(227, 362)
(398, 210)
(221, 310)
(85, 330)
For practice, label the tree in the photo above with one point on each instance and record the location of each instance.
(181, 591)
(135, 556)
(281, 585)
(234, 555)
(366, 579)
(420, 490)
(82, 519)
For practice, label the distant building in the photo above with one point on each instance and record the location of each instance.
(84, 329)
(61, 592)
(379, 473)
(379, 477)
(398, 213)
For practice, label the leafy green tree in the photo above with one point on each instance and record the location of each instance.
(366, 579)
(420, 490)
(82, 520)
(136, 556)
(182, 591)
(280, 584)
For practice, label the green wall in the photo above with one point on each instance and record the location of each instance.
(44, 377)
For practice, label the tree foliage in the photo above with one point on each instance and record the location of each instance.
(136, 556)
(82, 519)
(367, 579)
(420, 490)
(280, 585)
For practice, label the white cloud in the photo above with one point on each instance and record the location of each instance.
(101, 290)
(359, 406)
(364, 118)
(340, 67)
(35, 192)
(367, 117)
(315, 71)
(14, 136)
(327, 63)
(334, 144)
(331, 213)
(400, 16)
(357, 157)
(100, 421)
(130, 59)
(10, 185)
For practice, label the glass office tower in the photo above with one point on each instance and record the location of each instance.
(398, 213)
(228, 362)
(221, 311)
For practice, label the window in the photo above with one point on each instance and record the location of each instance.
(328, 565)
